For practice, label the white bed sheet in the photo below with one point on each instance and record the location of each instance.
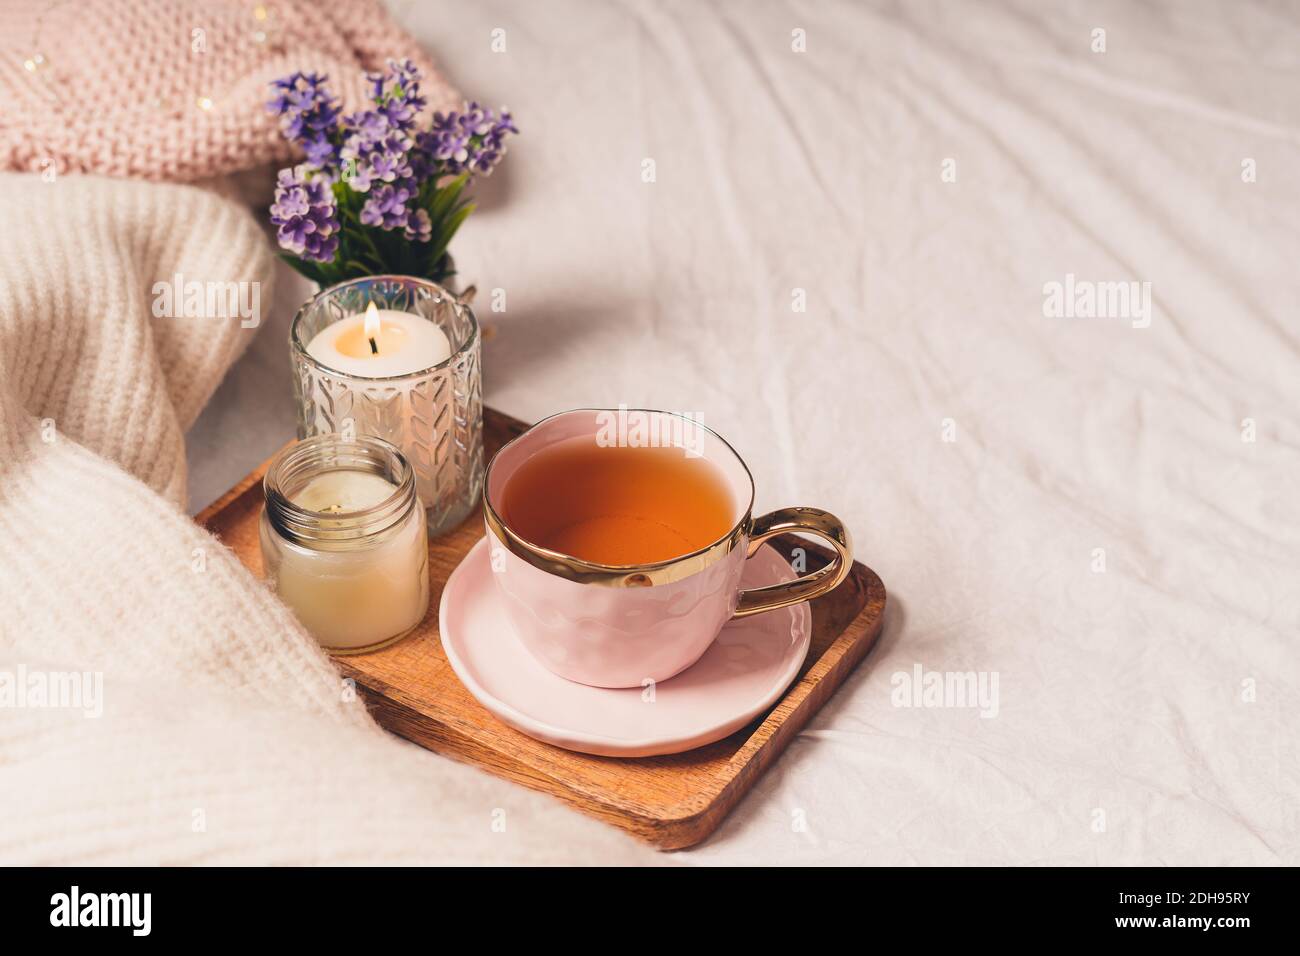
(1147, 712)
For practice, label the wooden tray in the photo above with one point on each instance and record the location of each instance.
(671, 801)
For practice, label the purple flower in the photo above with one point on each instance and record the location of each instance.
(305, 214)
(389, 160)
(386, 207)
(320, 152)
(396, 93)
(472, 141)
(386, 163)
(374, 151)
(447, 143)
(308, 116)
(422, 162)
(420, 227)
(368, 124)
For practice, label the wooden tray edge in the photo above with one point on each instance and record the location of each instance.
(801, 702)
(691, 822)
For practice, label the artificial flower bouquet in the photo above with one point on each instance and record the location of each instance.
(376, 194)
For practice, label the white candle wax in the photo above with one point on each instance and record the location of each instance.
(354, 598)
(380, 343)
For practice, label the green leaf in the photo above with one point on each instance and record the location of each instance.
(312, 270)
(368, 250)
(445, 197)
(446, 231)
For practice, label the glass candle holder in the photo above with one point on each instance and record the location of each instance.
(344, 543)
(433, 415)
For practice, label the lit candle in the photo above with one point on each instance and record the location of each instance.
(345, 548)
(380, 343)
(418, 386)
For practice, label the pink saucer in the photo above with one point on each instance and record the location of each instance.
(743, 673)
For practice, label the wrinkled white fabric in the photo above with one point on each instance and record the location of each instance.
(1101, 534)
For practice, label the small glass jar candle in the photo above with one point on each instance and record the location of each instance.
(343, 541)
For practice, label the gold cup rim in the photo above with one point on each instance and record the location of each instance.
(617, 575)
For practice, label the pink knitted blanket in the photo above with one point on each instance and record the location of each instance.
(168, 90)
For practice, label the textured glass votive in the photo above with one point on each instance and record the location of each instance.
(434, 415)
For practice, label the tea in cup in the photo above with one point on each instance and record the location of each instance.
(618, 539)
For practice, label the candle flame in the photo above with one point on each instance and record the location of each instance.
(372, 321)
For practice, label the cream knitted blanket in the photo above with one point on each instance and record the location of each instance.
(199, 722)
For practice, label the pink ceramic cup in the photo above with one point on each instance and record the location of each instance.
(630, 625)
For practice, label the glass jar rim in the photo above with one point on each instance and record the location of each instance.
(297, 464)
(300, 347)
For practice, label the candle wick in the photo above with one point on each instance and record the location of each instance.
(374, 348)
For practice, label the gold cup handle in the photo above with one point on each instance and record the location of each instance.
(815, 521)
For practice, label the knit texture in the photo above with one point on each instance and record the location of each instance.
(176, 89)
(226, 735)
